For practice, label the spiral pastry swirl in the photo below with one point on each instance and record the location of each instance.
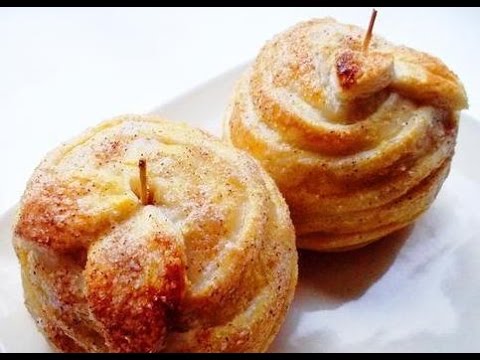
(208, 265)
(359, 142)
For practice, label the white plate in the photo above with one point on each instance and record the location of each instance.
(415, 291)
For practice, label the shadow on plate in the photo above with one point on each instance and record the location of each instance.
(347, 275)
(328, 280)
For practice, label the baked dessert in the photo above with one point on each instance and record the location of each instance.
(193, 251)
(358, 138)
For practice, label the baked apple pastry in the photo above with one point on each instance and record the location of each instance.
(358, 136)
(144, 235)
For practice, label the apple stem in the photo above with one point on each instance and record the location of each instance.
(368, 35)
(144, 193)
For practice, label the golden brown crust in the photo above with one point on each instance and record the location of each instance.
(210, 266)
(346, 134)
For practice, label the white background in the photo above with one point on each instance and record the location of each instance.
(62, 70)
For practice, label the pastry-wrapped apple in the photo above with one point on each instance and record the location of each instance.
(193, 251)
(357, 132)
